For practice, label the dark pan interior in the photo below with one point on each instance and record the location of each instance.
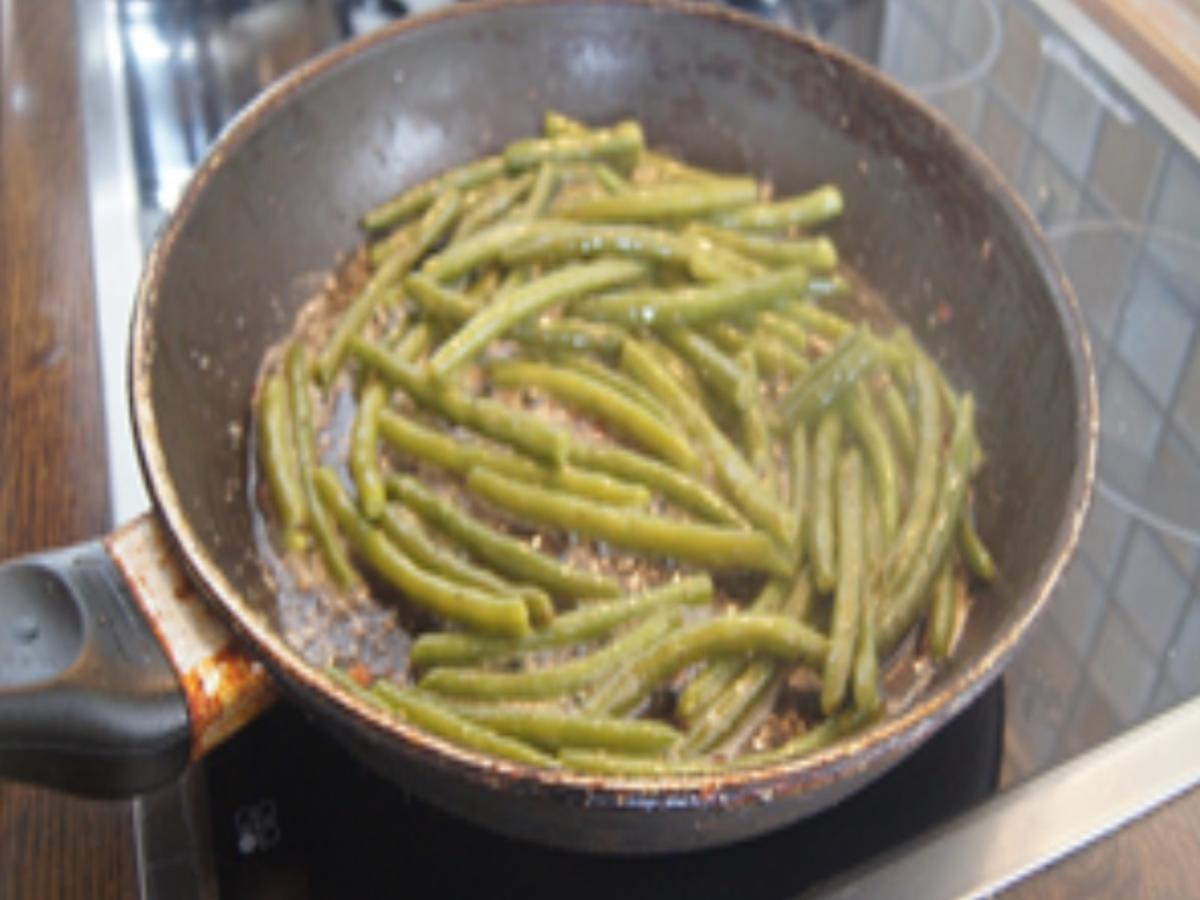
(925, 223)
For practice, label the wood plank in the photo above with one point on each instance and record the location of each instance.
(54, 489)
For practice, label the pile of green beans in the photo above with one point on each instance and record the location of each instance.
(627, 456)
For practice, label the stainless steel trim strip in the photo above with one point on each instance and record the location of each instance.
(1043, 820)
(1125, 70)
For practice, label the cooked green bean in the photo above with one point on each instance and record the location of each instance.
(412, 540)
(847, 603)
(756, 433)
(813, 208)
(775, 357)
(942, 613)
(713, 545)
(456, 648)
(677, 487)
(974, 551)
(899, 420)
(554, 730)
(910, 541)
(296, 368)
(906, 602)
(610, 180)
(415, 200)
(277, 450)
(727, 336)
(489, 417)
(540, 195)
(612, 407)
(364, 450)
(493, 205)
(414, 343)
(551, 680)
(439, 301)
(511, 307)
(830, 378)
(865, 680)
(721, 636)
(433, 225)
(741, 482)
(624, 141)
(798, 482)
(819, 321)
(618, 381)
(459, 456)
(724, 376)
(571, 334)
(772, 324)
(818, 254)
(664, 201)
(864, 419)
(426, 713)
(711, 262)
(700, 691)
(827, 286)
(554, 241)
(822, 528)
(692, 305)
(486, 611)
(507, 554)
(470, 253)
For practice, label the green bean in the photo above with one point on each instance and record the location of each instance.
(756, 434)
(624, 141)
(332, 554)
(713, 545)
(700, 691)
(483, 284)
(798, 481)
(456, 648)
(813, 208)
(833, 285)
(550, 240)
(507, 554)
(899, 420)
(414, 201)
(493, 205)
(551, 680)
(818, 254)
(721, 636)
(830, 378)
(664, 201)
(412, 540)
(910, 541)
(364, 450)
(470, 253)
(414, 343)
(942, 613)
(554, 730)
(484, 610)
(523, 302)
(610, 180)
(711, 262)
(974, 551)
(570, 334)
(775, 357)
(864, 419)
(905, 604)
(740, 708)
(433, 447)
(847, 603)
(739, 479)
(820, 321)
(557, 124)
(689, 306)
(612, 407)
(489, 417)
(724, 376)
(727, 337)
(434, 223)
(677, 487)
(865, 680)
(544, 186)
(771, 324)
(439, 301)
(431, 716)
(822, 522)
(277, 450)
(618, 381)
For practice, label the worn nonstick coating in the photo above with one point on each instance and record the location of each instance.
(929, 223)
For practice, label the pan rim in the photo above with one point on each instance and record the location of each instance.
(885, 740)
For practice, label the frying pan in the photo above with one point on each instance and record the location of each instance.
(89, 703)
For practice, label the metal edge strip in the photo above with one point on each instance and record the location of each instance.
(1036, 823)
(1132, 77)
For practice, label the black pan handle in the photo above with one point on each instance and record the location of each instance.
(88, 701)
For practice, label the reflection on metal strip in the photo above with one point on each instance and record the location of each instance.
(1043, 820)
